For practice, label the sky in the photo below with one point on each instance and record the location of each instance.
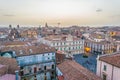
(66, 12)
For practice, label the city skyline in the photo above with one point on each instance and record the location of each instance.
(66, 12)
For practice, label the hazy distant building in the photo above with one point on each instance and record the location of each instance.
(29, 33)
(102, 47)
(14, 34)
(46, 25)
(10, 26)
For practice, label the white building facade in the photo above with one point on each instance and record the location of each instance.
(103, 47)
(69, 44)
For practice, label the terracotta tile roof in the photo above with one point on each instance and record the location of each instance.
(76, 39)
(9, 43)
(101, 42)
(10, 63)
(96, 35)
(113, 59)
(3, 69)
(73, 71)
(60, 37)
(29, 50)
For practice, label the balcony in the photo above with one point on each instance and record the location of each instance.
(38, 72)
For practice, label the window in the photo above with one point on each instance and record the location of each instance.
(53, 44)
(30, 69)
(61, 49)
(35, 77)
(35, 69)
(105, 67)
(45, 73)
(56, 49)
(39, 69)
(52, 53)
(53, 66)
(61, 43)
(52, 75)
(57, 44)
(44, 67)
(76, 47)
(64, 49)
(25, 79)
(73, 42)
(53, 57)
(21, 72)
(69, 48)
(45, 77)
(104, 77)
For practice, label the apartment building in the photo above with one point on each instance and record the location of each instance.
(108, 66)
(102, 47)
(65, 43)
(35, 62)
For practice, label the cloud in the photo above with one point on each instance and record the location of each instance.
(9, 15)
(99, 10)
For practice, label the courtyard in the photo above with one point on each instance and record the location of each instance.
(89, 63)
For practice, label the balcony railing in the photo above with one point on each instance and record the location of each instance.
(38, 72)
